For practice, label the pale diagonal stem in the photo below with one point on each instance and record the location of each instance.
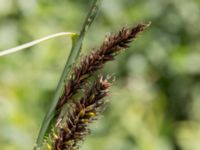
(32, 43)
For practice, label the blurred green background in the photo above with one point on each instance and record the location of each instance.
(155, 101)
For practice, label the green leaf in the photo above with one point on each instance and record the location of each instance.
(75, 51)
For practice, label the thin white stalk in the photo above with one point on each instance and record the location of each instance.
(26, 45)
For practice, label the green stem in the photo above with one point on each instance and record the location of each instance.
(75, 51)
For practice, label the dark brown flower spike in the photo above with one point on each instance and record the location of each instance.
(97, 59)
(83, 112)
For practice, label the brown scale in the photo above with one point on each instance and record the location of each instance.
(97, 58)
(82, 114)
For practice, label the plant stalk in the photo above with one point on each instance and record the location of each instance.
(32, 43)
(75, 51)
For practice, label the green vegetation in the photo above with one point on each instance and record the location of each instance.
(155, 99)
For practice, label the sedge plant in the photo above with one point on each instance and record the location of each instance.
(67, 121)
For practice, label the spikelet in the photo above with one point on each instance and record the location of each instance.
(83, 113)
(95, 61)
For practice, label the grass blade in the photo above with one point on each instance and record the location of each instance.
(75, 51)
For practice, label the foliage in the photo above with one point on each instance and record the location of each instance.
(155, 102)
